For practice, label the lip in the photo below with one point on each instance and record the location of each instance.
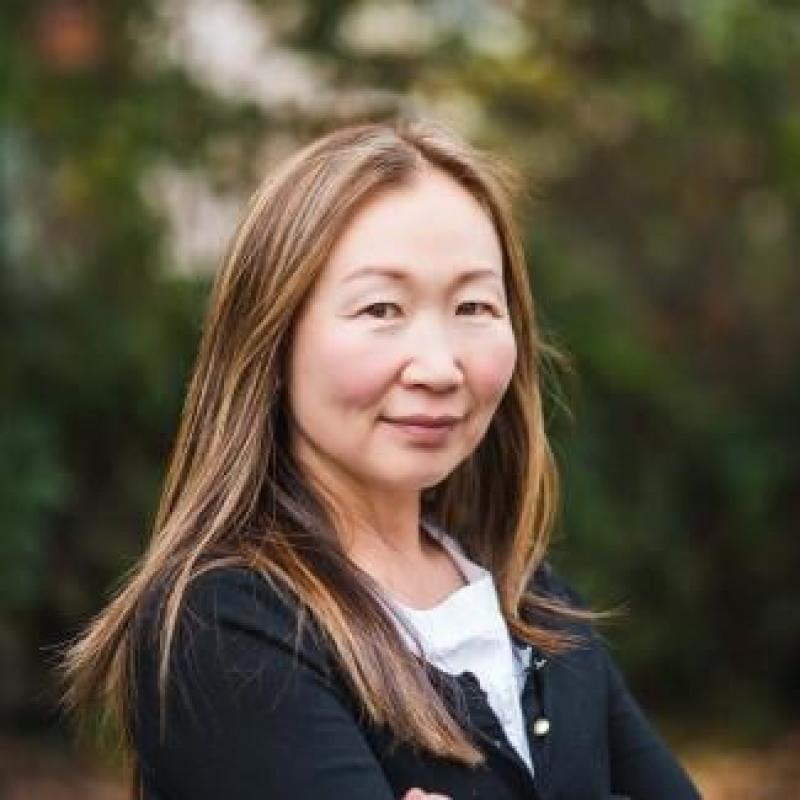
(422, 420)
(422, 430)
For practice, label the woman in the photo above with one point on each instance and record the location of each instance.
(346, 593)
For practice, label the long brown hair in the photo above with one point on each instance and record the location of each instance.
(234, 496)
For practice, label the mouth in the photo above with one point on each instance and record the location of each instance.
(421, 421)
(424, 431)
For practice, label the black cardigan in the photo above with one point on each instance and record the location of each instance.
(246, 720)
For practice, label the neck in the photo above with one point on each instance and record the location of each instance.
(390, 531)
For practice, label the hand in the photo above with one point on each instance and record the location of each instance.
(418, 794)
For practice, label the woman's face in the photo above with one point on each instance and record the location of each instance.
(408, 318)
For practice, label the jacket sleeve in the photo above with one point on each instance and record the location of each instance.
(641, 765)
(246, 719)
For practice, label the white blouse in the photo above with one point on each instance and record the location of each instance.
(467, 631)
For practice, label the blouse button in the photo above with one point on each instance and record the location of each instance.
(541, 726)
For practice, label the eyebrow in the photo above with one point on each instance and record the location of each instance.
(401, 275)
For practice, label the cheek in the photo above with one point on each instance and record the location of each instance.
(491, 367)
(344, 368)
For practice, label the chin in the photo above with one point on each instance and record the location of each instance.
(416, 483)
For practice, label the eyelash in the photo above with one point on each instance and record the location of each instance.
(366, 309)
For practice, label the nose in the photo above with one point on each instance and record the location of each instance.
(433, 359)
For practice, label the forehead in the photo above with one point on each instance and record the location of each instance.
(431, 224)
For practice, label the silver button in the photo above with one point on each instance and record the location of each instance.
(541, 726)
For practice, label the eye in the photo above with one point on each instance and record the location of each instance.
(474, 305)
(376, 310)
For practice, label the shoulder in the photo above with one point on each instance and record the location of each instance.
(234, 608)
(548, 583)
(585, 657)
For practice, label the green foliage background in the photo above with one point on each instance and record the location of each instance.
(662, 145)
